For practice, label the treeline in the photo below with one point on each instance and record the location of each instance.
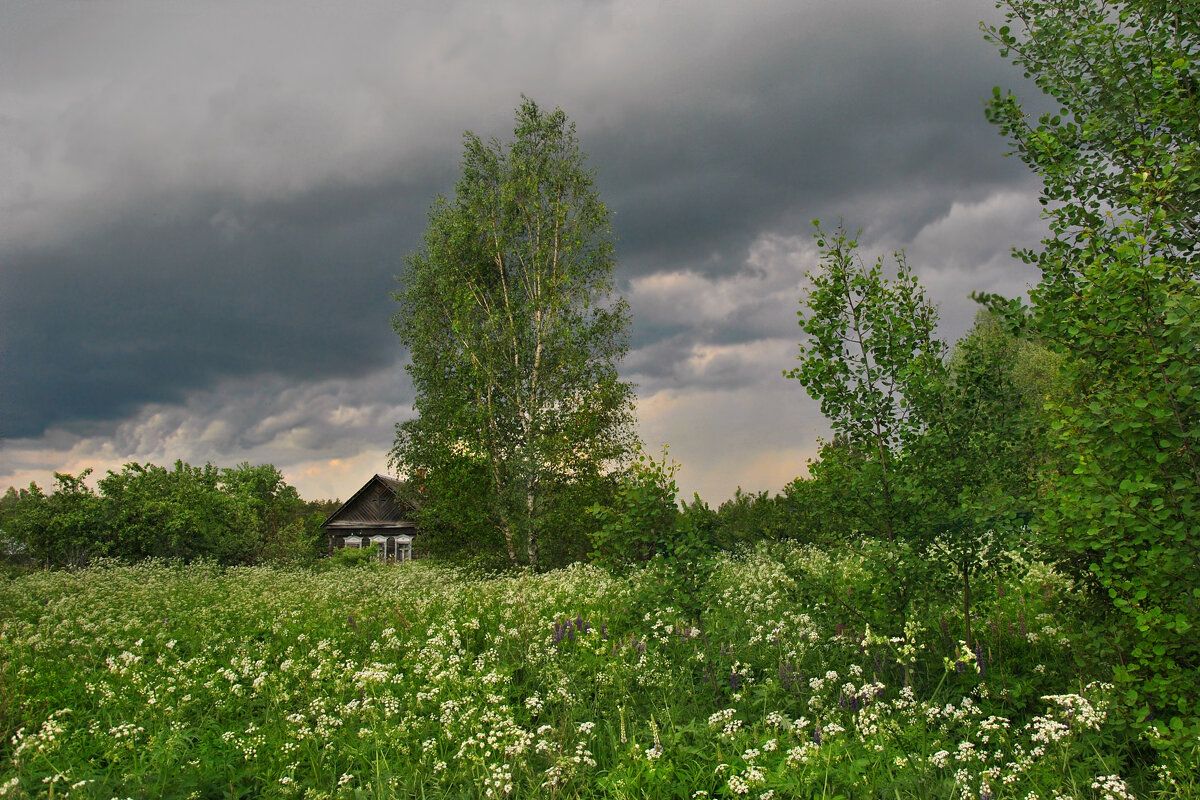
(244, 515)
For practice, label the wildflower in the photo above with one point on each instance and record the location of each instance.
(1112, 787)
(737, 785)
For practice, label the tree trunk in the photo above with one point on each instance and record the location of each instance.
(966, 576)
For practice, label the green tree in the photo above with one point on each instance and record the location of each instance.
(643, 524)
(64, 528)
(1119, 299)
(932, 450)
(870, 343)
(869, 348)
(514, 335)
(972, 465)
(273, 509)
(640, 522)
(184, 512)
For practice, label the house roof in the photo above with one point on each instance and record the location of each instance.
(375, 506)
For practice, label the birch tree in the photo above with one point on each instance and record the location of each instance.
(514, 331)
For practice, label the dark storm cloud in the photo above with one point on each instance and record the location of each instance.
(831, 122)
(149, 309)
(194, 201)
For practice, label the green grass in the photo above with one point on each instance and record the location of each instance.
(162, 680)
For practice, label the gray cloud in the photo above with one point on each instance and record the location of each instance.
(198, 198)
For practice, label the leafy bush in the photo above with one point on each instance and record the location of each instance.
(239, 515)
(641, 521)
(355, 557)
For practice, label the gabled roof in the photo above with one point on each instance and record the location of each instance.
(375, 505)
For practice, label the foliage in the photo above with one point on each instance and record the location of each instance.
(870, 345)
(749, 517)
(643, 525)
(466, 526)
(931, 453)
(170, 680)
(239, 515)
(507, 312)
(973, 474)
(354, 557)
(55, 529)
(641, 521)
(1119, 298)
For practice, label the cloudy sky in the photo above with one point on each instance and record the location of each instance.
(203, 208)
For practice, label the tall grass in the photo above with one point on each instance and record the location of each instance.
(162, 680)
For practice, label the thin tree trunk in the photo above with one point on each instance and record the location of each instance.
(966, 576)
(531, 541)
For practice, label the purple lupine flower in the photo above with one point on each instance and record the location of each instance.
(735, 680)
(817, 734)
(985, 793)
(604, 630)
(979, 660)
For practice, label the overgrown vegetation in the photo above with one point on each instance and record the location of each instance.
(988, 585)
(161, 680)
(1119, 300)
(244, 515)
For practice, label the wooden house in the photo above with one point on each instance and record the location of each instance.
(374, 515)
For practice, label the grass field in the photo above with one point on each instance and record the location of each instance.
(162, 680)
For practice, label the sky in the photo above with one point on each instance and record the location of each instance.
(204, 208)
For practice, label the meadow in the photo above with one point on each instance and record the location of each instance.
(165, 680)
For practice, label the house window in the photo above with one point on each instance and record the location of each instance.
(403, 548)
(352, 541)
(383, 549)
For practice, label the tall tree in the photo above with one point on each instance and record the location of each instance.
(870, 344)
(1119, 297)
(931, 452)
(508, 312)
